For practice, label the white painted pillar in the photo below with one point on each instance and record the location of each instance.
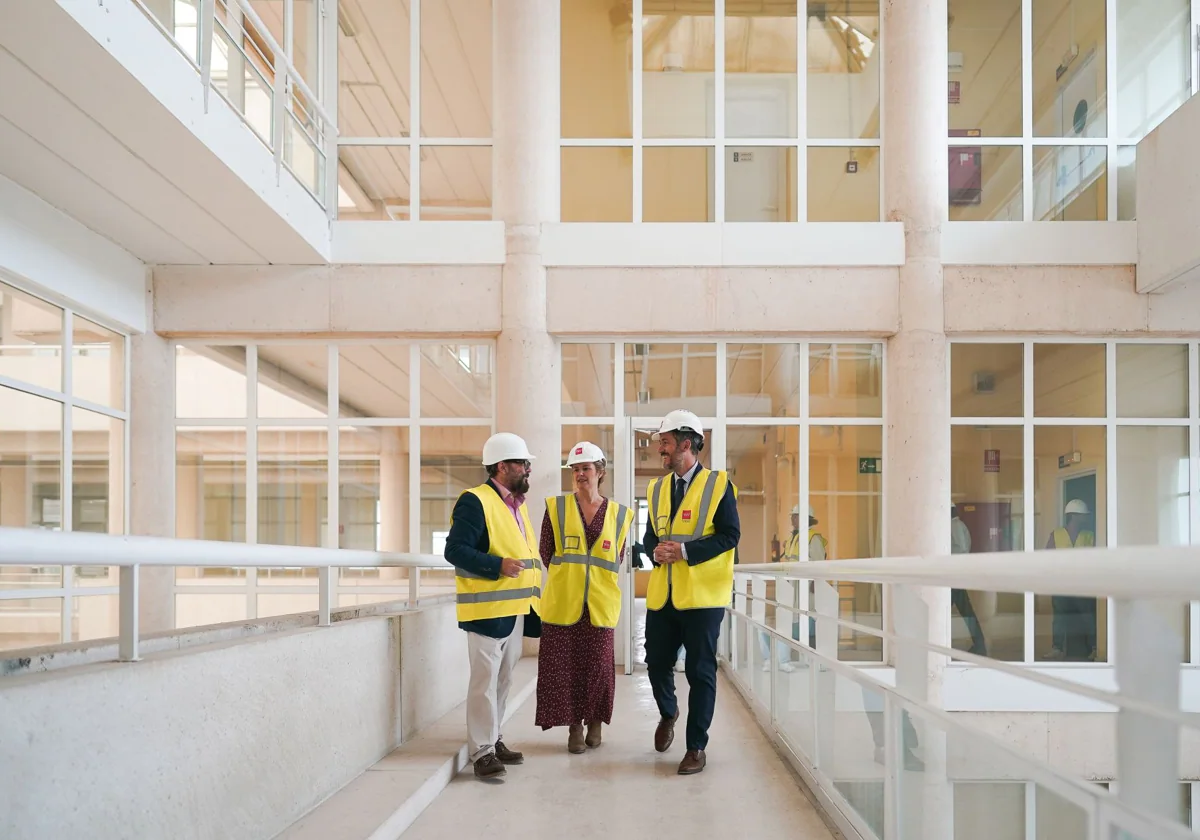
(151, 456)
(917, 472)
(525, 165)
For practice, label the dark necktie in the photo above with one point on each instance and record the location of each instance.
(677, 496)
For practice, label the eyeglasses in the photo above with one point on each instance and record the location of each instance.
(522, 464)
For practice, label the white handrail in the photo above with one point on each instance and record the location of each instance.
(1145, 584)
(33, 547)
(1170, 572)
(314, 103)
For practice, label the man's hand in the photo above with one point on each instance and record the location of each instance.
(511, 568)
(668, 552)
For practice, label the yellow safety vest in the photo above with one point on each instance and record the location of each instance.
(708, 584)
(579, 574)
(480, 598)
(791, 554)
(1062, 539)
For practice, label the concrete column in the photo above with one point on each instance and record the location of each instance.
(525, 110)
(525, 166)
(151, 454)
(917, 475)
(393, 498)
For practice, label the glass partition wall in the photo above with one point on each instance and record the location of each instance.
(348, 445)
(63, 438)
(1048, 99)
(798, 425)
(1059, 444)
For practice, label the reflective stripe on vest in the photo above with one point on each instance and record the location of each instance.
(571, 584)
(479, 598)
(701, 515)
(498, 595)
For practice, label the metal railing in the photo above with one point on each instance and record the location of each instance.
(238, 57)
(885, 759)
(31, 547)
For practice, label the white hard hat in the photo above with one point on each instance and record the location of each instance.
(1077, 506)
(584, 452)
(505, 446)
(812, 514)
(678, 419)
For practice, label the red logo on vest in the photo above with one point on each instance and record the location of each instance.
(687, 514)
(607, 545)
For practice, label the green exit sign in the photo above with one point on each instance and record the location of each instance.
(869, 466)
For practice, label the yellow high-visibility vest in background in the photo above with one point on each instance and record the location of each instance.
(580, 575)
(480, 598)
(1062, 539)
(708, 584)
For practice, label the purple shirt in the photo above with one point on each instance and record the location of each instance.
(513, 502)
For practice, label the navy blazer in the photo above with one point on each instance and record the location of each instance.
(467, 548)
(728, 532)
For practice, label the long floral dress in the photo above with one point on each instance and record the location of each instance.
(576, 670)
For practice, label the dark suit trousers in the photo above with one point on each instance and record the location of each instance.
(697, 631)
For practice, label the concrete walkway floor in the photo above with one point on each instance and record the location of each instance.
(624, 788)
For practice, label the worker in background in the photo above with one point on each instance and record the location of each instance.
(583, 543)
(692, 533)
(494, 549)
(1073, 628)
(817, 548)
(960, 543)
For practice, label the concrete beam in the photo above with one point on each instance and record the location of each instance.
(274, 301)
(606, 301)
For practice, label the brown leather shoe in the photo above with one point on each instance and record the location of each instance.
(575, 742)
(508, 756)
(489, 767)
(693, 762)
(593, 734)
(664, 735)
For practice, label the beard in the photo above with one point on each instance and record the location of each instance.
(520, 485)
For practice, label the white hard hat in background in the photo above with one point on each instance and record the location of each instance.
(584, 452)
(1078, 506)
(505, 446)
(812, 514)
(678, 419)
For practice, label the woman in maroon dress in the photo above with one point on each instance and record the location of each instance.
(576, 670)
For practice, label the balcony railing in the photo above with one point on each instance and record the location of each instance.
(28, 547)
(884, 756)
(237, 56)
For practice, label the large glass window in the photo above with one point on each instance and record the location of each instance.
(1061, 445)
(261, 458)
(1073, 159)
(987, 513)
(725, 129)
(63, 436)
(798, 426)
(397, 159)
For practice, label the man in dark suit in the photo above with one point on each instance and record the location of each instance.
(692, 535)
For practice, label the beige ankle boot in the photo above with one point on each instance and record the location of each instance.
(593, 734)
